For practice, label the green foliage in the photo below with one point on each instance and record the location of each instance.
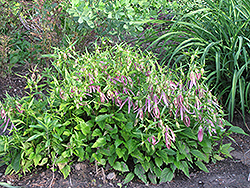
(218, 33)
(115, 106)
(115, 17)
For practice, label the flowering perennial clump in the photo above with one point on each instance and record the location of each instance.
(119, 107)
(146, 90)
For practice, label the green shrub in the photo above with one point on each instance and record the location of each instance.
(220, 31)
(115, 106)
(107, 18)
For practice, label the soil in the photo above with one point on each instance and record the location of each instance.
(231, 172)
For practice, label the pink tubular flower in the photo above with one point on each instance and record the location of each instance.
(18, 107)
(200, 134)
(198, 75)
(140, 113)
(153, 140)
(168, 141)
(124, 80)
(186, 121)
(193, 80)
(3, 114)
(164, 97)
(103, 97)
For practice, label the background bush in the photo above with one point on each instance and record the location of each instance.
(218, 33)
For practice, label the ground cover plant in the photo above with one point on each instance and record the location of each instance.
(114, 106)
(218, 33)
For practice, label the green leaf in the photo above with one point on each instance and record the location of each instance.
(157, 171)
(219, 158)
(226, 149)
(120, 117)
(99, 142)
(16, 162)
(152, 178)
(97, 132)
(140, 172)
(238, 130)
(120, 152)
(85, 127)
(201, 166)
(146, 165)
(184, 168)
(166, 175)
(124, 167)
(35, 137)
(102, 117)
(170, 151)
(43, 162)
(65, 170)
(138, 155)
(129, 177)
(158, 161)
(163, 155)
(131, 145)
(37, 159)
(198, 154)
(117, 166)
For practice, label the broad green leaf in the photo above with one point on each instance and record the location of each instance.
(137, 154)
(102, 117)
(166, 175)
(97, 132)
(170, 151)
(99, 142)
(238, 130)
(152, 178)
(120, 117)
(201, 166)
(145, 165)
(140, 172)
(117, 166)
(184, 167)
(35, 137)
(226, 149)
(219, 158)
(65, 170)
(129, 177)
(37, 159)
(163, 155)
(120, 152)
(15, 163)
(131, 145)
(124, 167)
(158, 161)
(198, 154)
(85, 127)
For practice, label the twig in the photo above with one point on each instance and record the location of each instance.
(53, 176)
(70, 182)
(104, 176)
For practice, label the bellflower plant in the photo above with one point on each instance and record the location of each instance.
(117, 106)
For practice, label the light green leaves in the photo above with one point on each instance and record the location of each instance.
(99, 142)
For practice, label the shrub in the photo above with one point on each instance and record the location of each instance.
(106, 18)
(115, 106)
